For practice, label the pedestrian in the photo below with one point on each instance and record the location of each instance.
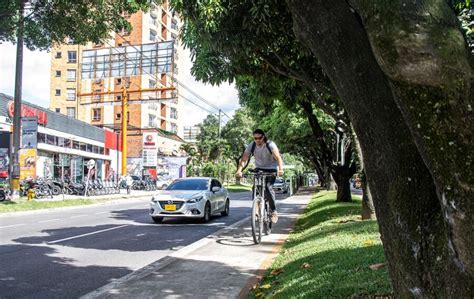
(267, 159)
(129, 182)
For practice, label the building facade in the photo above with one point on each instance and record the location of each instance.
(156, 111)
(64, 145)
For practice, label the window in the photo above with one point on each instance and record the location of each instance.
(151, 120)
(118, 81)
(58, 110)
(173, 113)
(152, 35)
(151, 83)
(58, 55)
(60, 141)
(58, 73)
(118, 98)
(118, 116)
(76, 144)
(71, 112)
(174, 24)
(174, 128)
(83, 146)
(57, 92)
(71, 75)
(95, 149)
(71, 94)
(71, 41)
(41, 138)
(89, 148)
(50, 140)
(96, 114)
(153, 20)
(72, 56)
(67, 143)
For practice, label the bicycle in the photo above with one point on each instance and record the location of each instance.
(261, 218)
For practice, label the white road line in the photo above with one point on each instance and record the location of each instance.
(77, 216)
(50, 220)
(88, 234)
(13, 225)
(101, 213)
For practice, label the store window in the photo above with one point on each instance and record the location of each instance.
(41, 138)
(61, 141)
(67, 143)
(75, 145)
(89, 148)
(83, 146)
(50, 140)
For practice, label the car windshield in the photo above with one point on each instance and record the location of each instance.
(188, 185)
(279, 181)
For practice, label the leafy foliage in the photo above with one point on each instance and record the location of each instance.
(48, 21)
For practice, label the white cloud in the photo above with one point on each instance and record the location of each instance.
(36, 69)
(36, 84)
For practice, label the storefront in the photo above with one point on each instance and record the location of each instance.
(64, 145)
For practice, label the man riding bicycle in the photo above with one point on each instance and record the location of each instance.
(267, 159)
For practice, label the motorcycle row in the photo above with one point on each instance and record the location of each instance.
(44, 188)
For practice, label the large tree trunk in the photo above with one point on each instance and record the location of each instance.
(408, 212)
(421, 49)
(342, 176)
(368, 209)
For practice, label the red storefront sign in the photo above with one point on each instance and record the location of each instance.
(27, 111)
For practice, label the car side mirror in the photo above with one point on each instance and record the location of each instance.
(215, 189)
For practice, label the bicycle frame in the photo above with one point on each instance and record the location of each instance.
(261, 221)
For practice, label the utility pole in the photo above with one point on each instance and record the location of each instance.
(219, 140)
(15, 167)
(124, 129)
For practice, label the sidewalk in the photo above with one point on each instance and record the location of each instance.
(224, 265)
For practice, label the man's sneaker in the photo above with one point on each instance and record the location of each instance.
(274, 217)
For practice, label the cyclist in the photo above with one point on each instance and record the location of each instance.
(267, 159)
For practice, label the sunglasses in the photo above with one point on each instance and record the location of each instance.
(257, 138)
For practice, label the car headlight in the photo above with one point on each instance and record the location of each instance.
(195, 199)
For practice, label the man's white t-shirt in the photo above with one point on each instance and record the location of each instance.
(263, 158)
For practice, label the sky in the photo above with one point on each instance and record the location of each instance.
(36, 84)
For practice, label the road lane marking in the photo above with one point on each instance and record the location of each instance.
(49, 220)
(101, 213)
(13, 225)
(88, 234)
(77, 216)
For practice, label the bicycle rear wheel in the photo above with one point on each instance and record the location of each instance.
(257, 219)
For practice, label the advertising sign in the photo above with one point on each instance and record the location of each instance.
(27, 163)
(4, 159)
(28, 111)
(150, 149)
(29, 132)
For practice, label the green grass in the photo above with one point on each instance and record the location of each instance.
(337, 249)
(239, 188)
(24, 205)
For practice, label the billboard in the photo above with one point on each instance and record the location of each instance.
(150, 149)
(134, 60)
(27, 163)
(29, 132)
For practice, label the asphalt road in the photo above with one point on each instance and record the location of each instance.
(71, 252)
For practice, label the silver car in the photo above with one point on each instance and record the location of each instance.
(196, 197)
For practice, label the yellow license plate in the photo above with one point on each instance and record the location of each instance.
(170, 207)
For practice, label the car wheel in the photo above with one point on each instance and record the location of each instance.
(56, 190)
(226, 209)
(207, 213)
(164, 187)
(157, 219)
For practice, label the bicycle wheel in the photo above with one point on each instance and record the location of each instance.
(267, 223)
(257, 223)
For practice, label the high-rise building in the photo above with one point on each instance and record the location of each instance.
(96, 99)
(190, 133)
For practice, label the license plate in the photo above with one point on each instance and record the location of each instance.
(170, 207)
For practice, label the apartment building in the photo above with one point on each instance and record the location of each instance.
(94, 98)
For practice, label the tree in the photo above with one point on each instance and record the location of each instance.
(408, 65)
(48, 22)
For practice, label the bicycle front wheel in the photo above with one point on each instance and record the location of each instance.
(257, 220)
